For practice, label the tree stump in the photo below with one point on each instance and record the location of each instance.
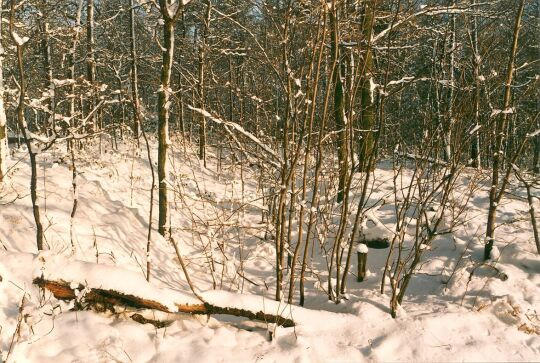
(361, 252)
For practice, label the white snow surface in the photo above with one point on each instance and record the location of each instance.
(362, 248)
(374, 229)
(18, 40)
(92, 275)
(447, 314)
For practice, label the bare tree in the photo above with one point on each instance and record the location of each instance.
(497, 189)
(170, 14)
(3, 121)
(201, 81)
(31, 145)
(90, 58)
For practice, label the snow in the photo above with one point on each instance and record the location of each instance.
(495, 253)
(402, 80)
(448, 314)
(507, 111)
(238, 128)
(475, 129)
(4, 151)
(374, 229)
(534, 133)
(372, 88)
(59, 268)
(362, 248)
(63, 82)
(18, 40)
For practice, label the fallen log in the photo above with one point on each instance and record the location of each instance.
(427, 159)
(157, 323)
(68, 291)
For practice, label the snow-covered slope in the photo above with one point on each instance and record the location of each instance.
(454, 310)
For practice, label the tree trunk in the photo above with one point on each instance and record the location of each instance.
(475, 145)
(138, 129)
(50, 126)
(163, 122)
(536, 152)
(164, 104)
(71, 63)
(134, 80)
(90, 60)
(202, 64)
(368, 110)
(339, 105)
(3, 126)
(26, 133)
(499, 140)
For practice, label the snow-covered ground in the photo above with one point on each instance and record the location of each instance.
(448, 314)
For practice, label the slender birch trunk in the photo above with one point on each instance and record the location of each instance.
(164, 105)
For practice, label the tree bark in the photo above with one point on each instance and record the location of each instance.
(163, 124)
(368, 110)
(90, 58)
(202, 95)
(24, 128)
(164, 105)
(71, 63)
(138, 129)
(532, 211)
(536, 152)
(475, 145)
(339, 104)
(3, 124)
(50, 127)
(134, 72)
(499, 140)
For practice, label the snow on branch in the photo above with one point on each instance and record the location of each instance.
(241, 130)
(405, 79)
(416, 157)
(475, 129)
(428, 11)
(534, 133)
(18, 40)
(507, 111)
(63, 82)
